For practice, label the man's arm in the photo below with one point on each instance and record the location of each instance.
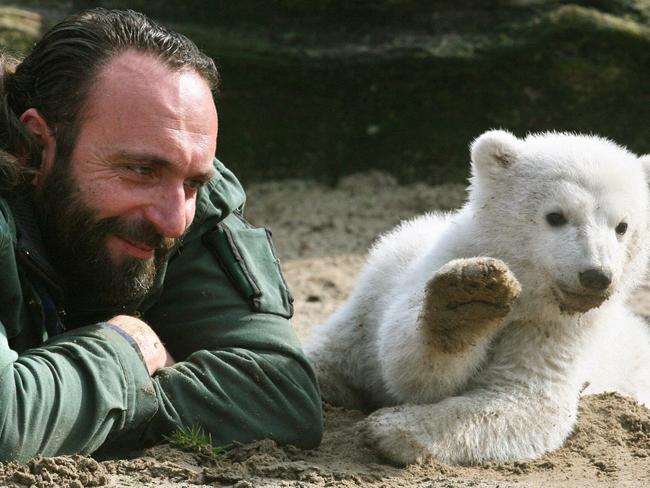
(69, 395)
(241, 373)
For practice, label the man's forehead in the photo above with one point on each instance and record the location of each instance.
(134, 79)
(133, 65)
(139, 104)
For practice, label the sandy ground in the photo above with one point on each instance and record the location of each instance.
(322, 235)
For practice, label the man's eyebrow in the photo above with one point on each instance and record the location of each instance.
(206, 176)
(157, 160)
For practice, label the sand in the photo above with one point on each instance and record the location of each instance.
(321, 235)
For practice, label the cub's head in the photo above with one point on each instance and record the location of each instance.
(568, 213)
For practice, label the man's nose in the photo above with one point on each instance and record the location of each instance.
(171, 213)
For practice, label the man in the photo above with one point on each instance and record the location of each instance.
(135, 300)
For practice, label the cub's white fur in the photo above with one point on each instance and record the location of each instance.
(462, 378)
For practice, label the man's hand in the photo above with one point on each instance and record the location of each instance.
(153, 351)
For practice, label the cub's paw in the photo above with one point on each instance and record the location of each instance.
(467, 297)
(389, 433)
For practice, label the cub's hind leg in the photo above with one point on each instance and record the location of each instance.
(334, 352)
(336, 388)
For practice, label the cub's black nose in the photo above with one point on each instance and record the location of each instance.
(595, 279)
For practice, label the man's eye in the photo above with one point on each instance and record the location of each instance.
(195, 184)
(141, 170)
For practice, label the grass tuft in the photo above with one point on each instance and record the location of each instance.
(195, 440)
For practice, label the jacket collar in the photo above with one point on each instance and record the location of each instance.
(220, 197)
(29, 242)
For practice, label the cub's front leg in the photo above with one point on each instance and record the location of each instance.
(465, 301)
(472, 429)
(432, 340)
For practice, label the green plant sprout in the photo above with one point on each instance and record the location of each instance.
(195, 440)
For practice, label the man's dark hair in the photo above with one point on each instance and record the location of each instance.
(58, 74)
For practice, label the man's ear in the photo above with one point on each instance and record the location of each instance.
(38, 126)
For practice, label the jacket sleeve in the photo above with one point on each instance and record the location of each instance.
(223, 314)
(70, 394)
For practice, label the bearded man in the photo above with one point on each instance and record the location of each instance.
(135, 299)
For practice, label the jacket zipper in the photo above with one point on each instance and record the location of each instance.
(29, 262)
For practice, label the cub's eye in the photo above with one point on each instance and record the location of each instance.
(621, 228)
(556, 219)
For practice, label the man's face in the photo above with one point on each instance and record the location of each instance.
(114, 210)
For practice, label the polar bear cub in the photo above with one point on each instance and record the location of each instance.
(474, 333)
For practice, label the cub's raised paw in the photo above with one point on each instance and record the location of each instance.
(465, 298)
(389, 434)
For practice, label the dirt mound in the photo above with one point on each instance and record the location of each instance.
(610, 445)
(63, 471)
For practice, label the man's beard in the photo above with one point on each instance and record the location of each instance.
(76, 241)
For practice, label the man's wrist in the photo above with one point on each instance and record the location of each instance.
(128, 338)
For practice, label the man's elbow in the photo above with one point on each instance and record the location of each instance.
(308, 427)
(302, 412)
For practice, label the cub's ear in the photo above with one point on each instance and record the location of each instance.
(494, 151)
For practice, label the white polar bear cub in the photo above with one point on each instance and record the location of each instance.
(476, 331)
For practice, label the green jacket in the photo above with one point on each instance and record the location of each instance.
(222, 309)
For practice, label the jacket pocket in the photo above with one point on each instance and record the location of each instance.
(248, 257)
